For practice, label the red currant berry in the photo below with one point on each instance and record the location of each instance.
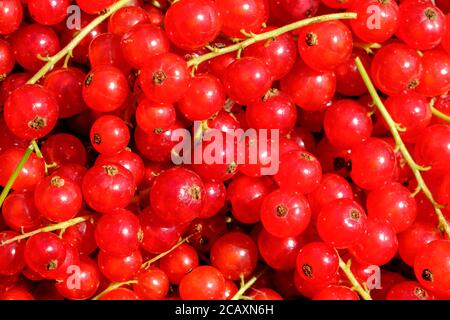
(435, 80)
(179, 263)
(154, 117)
(106, 49)
(334, 292)
(20, 212)
(109, 135)
(48, 12)
(214, 201)
(203, 283)
(119, 269)
(11, 14)
(7, 59)
(120, 294)
(317, 262)
(63, 148)
(152, 284)
(408, 290)
(124, 19)
(11, 255)
(82, 237)
(94, 7)
(127, 159)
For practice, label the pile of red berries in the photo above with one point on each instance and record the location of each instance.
(94, 207)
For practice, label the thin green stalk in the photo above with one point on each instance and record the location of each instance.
(114, 286)
(253, 38)
(345, 267)
(400, 145)
(440, 114)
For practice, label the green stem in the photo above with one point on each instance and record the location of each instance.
(393, 127)
(195, 62)
(76, 40)
(247, 285)
(114, 286)
(50, 228)
(15, 174)
(345, 267)
(440, 114)
(36, 149)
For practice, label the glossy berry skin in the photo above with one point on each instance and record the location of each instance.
(411, 111)
(392, 204)
(246, 195)
(74, 172)
(203, 283)
(11, 255)
(246, 80)
(142, 42)
(63, 148)
(435, 79)
(338, 4)
(7, 59)
(446, 38)
(120, 294)
(81, 237)
(431, 266)
(426, 25)
(204, 98)
(11, 83)
(408, 290)
(179, 263)
(395, 68)
(334, 292)
(275, 111)
(285, 213)
(279, 54)
(191, 25)
(412, 240)
(152, 284)
(310, 89)
(214, 200)
(279, 253)
(89, 281)
(165, 78)
(380, 29)
(107, 187)
(127, 159)
(37, 114)
(373, 163)
(331, 187)
(124, 19)
(265, 294)
(378, 246)
(342, 223)
(32, 172)
(33, 40)
(347, 123)
(433, 148)
(58, 199)
(186, 191)
(317, 262)
(324, 46)
(348, 78)
(234, 255)
(20, 212)
(106, 49)
(45, 254)
(154, 117)
(94, 7)
(11, 14)
(105, 88)
(66, 84)
(286, 11)
(48, 12)
(109, 135)
(118, 233)
(299, 171)
(243, 14)
(119, 269)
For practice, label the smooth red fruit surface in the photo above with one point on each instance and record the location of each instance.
(348, 78)
(7, 59)
(395, 68)
(106, 49)
(186, 191)
(342, 223)
(32, 172)
(63, 148)
(334, 292)
(265, 294)
(48, 12)
(124, 19)
(31, 112)
(373, 164)
(58, 199)
(119, 269)
(105, 88)
(154, 117)
(408, 290)
(94, 7)
(324, 46)
(191, 24)
(317, 262)
(203, 283)
(179, 262)
(285, 213)
(392, 204)
(234, 255)
(248, 15)
(435, 79)
(82, 237)
(72, 171)
(109, 135)
(11, 14)
(432, 264)
(246, 80)
(214, 200)
(11, 255)
(310, 89)
(152, 284)
(16, 293)
(120, 294)
(107, 187)
(127, 159)
(20, 212)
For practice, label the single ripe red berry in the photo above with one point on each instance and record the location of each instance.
(63, 148)
(20, 212)
(154, 117)
(234, 255)
(192, 24)
(124, 19)
(179, 262)
(285, 213)
(81, 236)
(94, 7)
(48, 12)
(7, 59)
(338, 4)
(31, 112)
(335, 292)
(11, 255)
(118, 233)
(408, 290)
(108, 187)
(120, 294)
(202, 283)
(106, 49)
(109, 135)
(11, 14)
(152, 284)
(348, 79)
(317, 262)
(435, 80)
(105, 88)
(119, 269)
(342, 223)
(186, 191)
(214, 201)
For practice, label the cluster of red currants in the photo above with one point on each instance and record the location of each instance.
(96, 208)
